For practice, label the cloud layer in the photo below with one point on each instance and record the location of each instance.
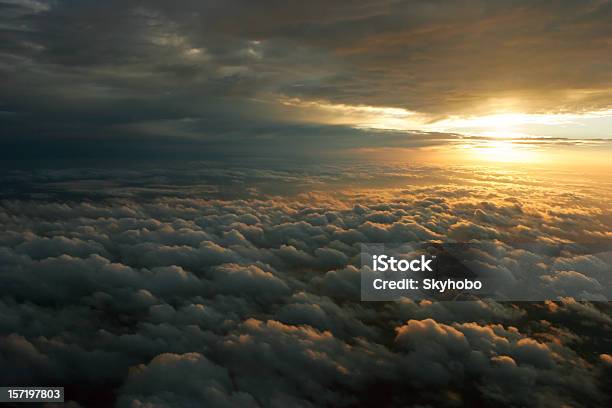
(254, 300)
(195, 70)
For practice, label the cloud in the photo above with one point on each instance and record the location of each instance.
(186, 380)
(132, 89)
(248, 281)
(510, 366)
(177, 297)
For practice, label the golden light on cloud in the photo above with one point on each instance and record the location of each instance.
(506, 139)
(360, 116)
(513, 124)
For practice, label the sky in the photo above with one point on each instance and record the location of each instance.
(185, 187)
(220, 78)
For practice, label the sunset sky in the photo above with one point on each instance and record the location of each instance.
(275, 78)
(186, 188)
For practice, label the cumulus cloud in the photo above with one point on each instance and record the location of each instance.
(511, 367)
(253, 298)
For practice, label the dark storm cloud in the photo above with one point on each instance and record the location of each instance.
(147, 69)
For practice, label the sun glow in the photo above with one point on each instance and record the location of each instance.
(506, 124)
(513, 125)
(502, 151)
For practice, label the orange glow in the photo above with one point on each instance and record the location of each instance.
(503, 151)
